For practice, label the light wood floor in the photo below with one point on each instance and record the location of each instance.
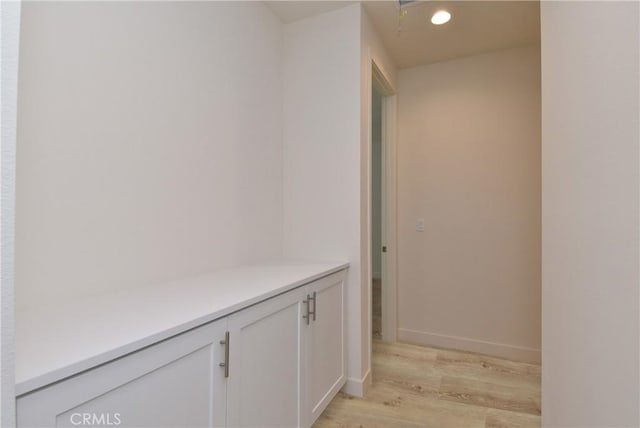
(415, 386)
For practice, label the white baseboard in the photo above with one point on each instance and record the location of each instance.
(518, 353)
(358, 387)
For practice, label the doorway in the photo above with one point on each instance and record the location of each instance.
(382, 208)
(377, 247)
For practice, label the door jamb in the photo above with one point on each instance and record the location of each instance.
(389, 205)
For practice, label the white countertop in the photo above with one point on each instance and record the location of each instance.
(61, 340)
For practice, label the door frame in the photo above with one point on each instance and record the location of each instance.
(389, 206)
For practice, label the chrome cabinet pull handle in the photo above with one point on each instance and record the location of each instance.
(314, 305)
(306, 302)
(225, 364)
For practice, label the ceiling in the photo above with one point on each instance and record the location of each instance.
(475, 27)
(289, 11)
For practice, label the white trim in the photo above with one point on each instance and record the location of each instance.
(352, 387)
(388, 274)
(10, 13)
(518, 353)
(380, 77)
(358, 387)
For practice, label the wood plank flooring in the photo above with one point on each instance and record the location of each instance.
(376, 308)
(416, 386)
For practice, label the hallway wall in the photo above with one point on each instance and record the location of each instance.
(327, 90)
(590, 229)
(469, 165)
(149, 147)
(321, 156)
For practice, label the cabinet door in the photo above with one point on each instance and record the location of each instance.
(325, 345)
(263, 387)
(175, 383)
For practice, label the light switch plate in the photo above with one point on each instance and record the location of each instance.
(420, 225)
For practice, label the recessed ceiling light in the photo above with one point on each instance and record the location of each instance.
(440, 17)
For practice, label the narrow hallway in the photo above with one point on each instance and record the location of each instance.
(421, 386)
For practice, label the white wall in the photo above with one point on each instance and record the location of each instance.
(327, 155)
(322, 153)
(149, 143)
(10, 27)
(469, 165)
(590, 216)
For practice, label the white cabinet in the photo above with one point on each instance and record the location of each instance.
(277, 363)
(287, 357)
(175, 383)
(325, 371)
(265, 364)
